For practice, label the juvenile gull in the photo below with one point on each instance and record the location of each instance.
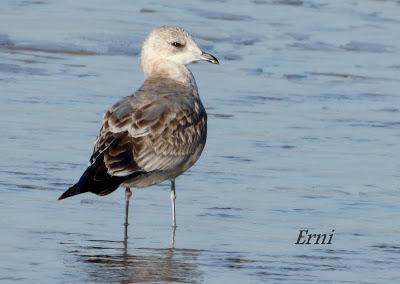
(157, 133)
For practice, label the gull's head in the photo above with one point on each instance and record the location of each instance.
(173, 44)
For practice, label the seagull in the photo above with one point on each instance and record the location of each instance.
(157, 133)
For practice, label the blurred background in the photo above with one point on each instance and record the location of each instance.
(304, 133)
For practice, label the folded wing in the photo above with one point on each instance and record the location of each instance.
(150, 132)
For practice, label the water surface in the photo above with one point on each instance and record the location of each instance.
(304, 131)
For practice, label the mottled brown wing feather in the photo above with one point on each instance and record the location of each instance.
(151, 131)
(174, 136)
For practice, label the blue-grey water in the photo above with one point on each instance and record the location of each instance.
(304, 133)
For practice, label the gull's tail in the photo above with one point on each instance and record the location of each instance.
(96, 179)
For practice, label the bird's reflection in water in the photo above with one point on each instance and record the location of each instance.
(116, 262)
(126, 236)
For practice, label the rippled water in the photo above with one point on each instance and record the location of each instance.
(304, 133)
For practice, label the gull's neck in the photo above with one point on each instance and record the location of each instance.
(171, 70)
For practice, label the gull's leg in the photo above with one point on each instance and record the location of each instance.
(173, 197)
(128, 194)
(173, 237)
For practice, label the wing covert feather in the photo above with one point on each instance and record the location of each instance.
(151, 131)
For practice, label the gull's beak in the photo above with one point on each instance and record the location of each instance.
(209, 58)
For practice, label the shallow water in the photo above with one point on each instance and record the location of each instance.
(303, 133)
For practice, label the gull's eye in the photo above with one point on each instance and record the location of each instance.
(177, 44)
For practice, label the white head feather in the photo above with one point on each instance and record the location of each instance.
(170, 47)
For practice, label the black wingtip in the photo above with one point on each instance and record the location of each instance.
(70, 192)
